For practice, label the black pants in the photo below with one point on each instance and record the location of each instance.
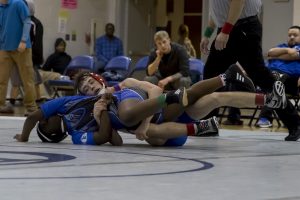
(244, 46)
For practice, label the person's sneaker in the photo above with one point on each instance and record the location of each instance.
(177, 96)
(293, 135)
(263, 123)
(235, 74)
(7, 109)
(207, 127)
(277, 98)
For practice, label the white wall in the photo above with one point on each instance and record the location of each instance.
(79, 21)
(277, 18)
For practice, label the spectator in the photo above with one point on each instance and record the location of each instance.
(36, 36)
(284, 59)
(184, 40)
(168, 65)
(239, 38)
(107, 47)
(16, 49)
(59, 60)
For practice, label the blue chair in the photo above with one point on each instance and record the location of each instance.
(77, 64)
(140, 65)
(116, 70)
(196, 69)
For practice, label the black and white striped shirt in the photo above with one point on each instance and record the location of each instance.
(219, 10)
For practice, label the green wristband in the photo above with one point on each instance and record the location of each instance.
(208, 32)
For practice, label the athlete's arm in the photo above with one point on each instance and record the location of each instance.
(151, 89)
(105, 132)
(29, 124)
(116, 139)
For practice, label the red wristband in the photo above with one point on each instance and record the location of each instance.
(227, 28)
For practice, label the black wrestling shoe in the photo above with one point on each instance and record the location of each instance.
(208, 127)
(293, 135)
(235, 74)
(277, 98)
(177, 96)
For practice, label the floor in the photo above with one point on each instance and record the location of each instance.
(239, 164)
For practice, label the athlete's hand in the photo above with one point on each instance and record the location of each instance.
(221, 41)
(19, 138)
(141, 135)
(204, 45)
(141, 131)
(99, 106)
(107, 97)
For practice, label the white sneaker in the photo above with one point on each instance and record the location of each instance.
(206, 126)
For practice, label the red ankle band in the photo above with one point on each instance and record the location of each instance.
(190, 129)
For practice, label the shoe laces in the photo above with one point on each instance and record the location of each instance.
(203, 125)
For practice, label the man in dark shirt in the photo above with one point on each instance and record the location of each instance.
(168, 65)
(59, 60)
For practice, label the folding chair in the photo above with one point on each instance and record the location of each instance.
(116, 70)
(140, 65)
(196, 69)
(77, 64)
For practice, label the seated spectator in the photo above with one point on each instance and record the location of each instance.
(184, 40)
(168, 65)
(107, 47)
(284, 59)
(59, 60)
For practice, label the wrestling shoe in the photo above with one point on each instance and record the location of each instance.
(177, 96)
(235, 74)
(293, 135)
(207, 127)
(277, 98)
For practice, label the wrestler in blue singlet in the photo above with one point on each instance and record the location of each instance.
(77, 114)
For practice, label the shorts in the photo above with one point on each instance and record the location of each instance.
(176, 142)
(179, 141)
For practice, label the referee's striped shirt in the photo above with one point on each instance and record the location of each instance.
(219, 10)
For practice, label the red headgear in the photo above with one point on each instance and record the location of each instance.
(101, 80)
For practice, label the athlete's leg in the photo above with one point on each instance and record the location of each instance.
(203, 88)
(234, 75)
(158, 134)
(131, 111)
(237, 99)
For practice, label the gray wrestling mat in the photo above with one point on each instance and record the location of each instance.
(237, 165)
